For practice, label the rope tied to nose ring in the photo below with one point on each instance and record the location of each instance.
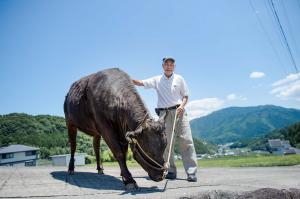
(154, 164)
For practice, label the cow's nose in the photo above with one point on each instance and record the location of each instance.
(156, 178)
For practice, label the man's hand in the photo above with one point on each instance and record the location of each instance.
(180, 110)
(137, 82)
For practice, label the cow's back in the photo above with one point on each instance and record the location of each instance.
(97, 97)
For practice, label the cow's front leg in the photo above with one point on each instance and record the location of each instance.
(120, 151)
(130, 183)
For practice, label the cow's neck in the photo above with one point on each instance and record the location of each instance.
(137, 114)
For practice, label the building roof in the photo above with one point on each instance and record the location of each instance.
(17, 148)
(275, 143)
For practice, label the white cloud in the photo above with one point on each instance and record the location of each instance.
(234, 96)
(231, 96)
(290, 78)
(202, 107)
(288, 87)
(257, 75)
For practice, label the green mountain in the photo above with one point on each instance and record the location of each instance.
(49, 133)
(238, 123)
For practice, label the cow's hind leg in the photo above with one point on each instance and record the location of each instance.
(72, 132)
(96, 145)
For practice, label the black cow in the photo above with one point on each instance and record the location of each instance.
(106, 104)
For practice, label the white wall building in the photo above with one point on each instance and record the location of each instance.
(281, 147)
(18, 154)
(64, 159)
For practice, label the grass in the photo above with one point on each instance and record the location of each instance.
(252, 161)
(234, 161)
(258, 160)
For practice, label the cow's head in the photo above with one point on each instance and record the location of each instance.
(150, 147)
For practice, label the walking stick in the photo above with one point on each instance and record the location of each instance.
(171, 141)
(167, 164)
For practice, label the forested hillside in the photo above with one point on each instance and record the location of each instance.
(49, 133)
(238, 123)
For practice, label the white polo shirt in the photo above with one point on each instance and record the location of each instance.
(170, 91)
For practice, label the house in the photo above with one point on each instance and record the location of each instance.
(64, 159)
(18, 154)
(281, 147)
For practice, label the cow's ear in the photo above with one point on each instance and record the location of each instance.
(133, 134)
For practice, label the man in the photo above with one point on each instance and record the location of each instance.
(172, 94)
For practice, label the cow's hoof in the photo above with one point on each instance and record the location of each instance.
(131, 187)
(100, 172)
(71, 172)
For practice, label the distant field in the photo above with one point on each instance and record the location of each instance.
(229, 161)
(252, 161)
(235, 161)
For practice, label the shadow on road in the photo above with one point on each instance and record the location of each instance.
(99, 182)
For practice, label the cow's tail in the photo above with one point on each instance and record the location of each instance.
(65, 106)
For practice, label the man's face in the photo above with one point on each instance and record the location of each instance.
(168, 67)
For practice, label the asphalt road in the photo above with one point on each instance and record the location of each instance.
(54, 182)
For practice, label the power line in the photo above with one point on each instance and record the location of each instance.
(277, 31)
(267, 36)
(289, 27)
(283, 34)
(287, 46)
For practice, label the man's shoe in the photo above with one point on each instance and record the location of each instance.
(171, 176)
(192, 178)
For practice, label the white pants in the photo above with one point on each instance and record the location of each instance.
(183, 136)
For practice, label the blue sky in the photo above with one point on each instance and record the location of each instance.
(218, 44)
